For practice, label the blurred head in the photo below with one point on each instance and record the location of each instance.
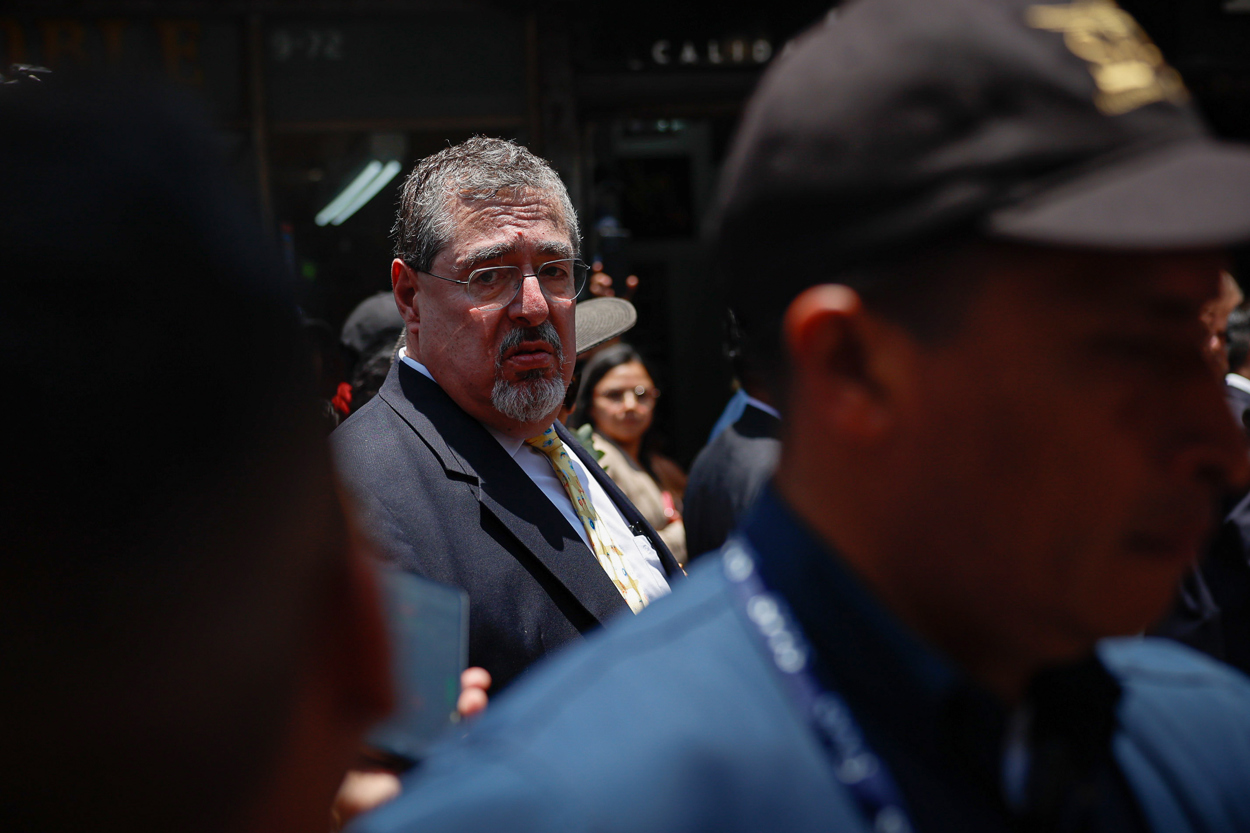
(1215, 317)
(990, 326)
(189, 629)
(1238, 340)
(488, 202)
(617, 395)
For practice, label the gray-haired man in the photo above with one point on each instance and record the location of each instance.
(485, 276)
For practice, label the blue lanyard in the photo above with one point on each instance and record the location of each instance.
(855, 765)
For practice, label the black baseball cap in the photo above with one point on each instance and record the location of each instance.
(895, 124)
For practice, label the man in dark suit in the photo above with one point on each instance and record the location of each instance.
(1212, 608)
(731, 470)
(485, 277)
(728, 474)
(982, 233)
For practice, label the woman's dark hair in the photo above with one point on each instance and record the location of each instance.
(596, 368)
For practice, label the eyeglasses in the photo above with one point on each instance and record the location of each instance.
(494, 287)
(642, 394)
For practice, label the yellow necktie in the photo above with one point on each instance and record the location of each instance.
(609, 554)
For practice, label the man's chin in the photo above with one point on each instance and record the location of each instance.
(527, 400)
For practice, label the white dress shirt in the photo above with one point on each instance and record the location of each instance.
(1238, 381)
(640, 557)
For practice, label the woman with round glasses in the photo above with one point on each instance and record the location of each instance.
(617, 398)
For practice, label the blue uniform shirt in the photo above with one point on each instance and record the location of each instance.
(677, 720)
(945, 738)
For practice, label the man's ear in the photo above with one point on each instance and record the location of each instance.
(404, 286)
(830, 339)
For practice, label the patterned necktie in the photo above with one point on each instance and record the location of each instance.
(609, 554)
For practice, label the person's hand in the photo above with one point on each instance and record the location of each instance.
(473, 685)
(601, 284)
(361, 791)
(370, 785)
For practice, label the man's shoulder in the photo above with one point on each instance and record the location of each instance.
(1160, 670)
(673, 720)
(374, 419)
(411, 423)
(374, 438)
(393, 463)
(1184, 732)
(747, 442)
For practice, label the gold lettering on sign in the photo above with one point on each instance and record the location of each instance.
(1128, 69)
(180, 47)
(15, 53)
(63, 39)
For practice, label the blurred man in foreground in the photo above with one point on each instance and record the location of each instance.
(981, 233)
(190, 634)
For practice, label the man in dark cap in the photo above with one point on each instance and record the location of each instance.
(189, 631)
(981, 233)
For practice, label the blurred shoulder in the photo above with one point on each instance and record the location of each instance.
(674, 715)
(1184, 732)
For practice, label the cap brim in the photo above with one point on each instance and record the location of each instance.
(601, 319)
(1192, 195)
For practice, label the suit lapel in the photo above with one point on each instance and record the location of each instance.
(469, 453)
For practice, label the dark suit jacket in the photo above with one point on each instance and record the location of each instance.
(726, 478)
(444, 500)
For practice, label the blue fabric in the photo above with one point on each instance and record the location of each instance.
(674, 720)
(733, 409)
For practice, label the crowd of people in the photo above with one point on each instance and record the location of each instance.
(981, 317)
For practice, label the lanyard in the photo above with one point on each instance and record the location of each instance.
(855, 765)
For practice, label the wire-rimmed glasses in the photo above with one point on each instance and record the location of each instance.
(494, 287)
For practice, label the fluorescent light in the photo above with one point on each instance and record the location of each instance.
(349, 193)
(367, 193)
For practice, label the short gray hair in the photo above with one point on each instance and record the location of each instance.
(476, 169)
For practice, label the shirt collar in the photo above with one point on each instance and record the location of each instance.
(907, 695)
(885, 673)
(1236, 380)
(510, 444)
(763, 406)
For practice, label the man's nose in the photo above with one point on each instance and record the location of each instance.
(530, 306)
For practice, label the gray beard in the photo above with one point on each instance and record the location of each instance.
(532, 398)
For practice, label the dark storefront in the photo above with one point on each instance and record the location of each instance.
(634, 104)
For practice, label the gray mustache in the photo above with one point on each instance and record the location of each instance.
(545, 332)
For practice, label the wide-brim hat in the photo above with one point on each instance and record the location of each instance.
(895, 124)
(603, 319)
(375, 316)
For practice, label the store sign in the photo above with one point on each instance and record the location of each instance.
(316, 69)
(307, 43)
(202, 53)
(437, 64)
(710, 53)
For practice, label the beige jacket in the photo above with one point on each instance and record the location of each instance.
(644, 493)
